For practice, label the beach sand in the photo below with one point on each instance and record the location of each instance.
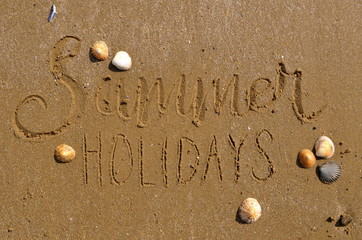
(220, 99)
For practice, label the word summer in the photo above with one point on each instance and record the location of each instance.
(113, 96)
(180, 161)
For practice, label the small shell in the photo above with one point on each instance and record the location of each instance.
(306, 158)
(249, 211)
(64, 153)
(99, 50)
(329, 172)
(122, 60)
(324, 147)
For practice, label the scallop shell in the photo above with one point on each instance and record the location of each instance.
(64, 153)
(329, 172)
(99, 50)
(122, 61)
(324, 147)
(306, 158)
(249, 211)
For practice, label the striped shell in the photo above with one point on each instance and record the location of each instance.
(100, 50)
(324, 147)
(249, 211)
(329, 172)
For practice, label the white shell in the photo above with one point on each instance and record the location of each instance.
(122, 60)
(249, 210)
(324, 147)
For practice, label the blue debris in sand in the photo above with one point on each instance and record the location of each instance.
(53, 13)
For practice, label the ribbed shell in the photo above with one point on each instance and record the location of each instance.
(100, 50)
(249, 210)
(329, 172)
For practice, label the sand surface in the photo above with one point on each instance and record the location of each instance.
(219, 101)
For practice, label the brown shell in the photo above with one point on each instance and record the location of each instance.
(100, 50)
(306, 158)
(64, 153)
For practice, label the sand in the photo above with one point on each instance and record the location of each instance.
(220, 99)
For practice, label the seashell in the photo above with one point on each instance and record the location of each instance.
(64, 153)
(329, 172)
(306, 158)
(122, 61)
(324, 147)
(99, 50)
(249, 211)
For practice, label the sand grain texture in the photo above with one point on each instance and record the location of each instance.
(220, 99)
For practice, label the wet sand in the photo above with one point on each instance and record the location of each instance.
(219, 101)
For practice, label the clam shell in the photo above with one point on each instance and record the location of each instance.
(100, 50)
(122, 61)
(329, 172)
(306, 158)
(64, 153)
(249, 210)
(324, 147)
